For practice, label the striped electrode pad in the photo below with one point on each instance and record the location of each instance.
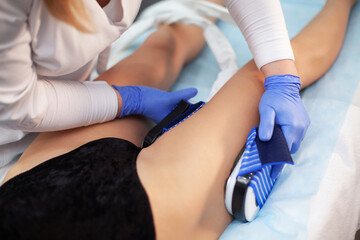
(261, 182)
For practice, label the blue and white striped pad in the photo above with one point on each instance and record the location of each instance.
(262, 181)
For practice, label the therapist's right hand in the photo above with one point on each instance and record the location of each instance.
(281, 104)
(150, 102)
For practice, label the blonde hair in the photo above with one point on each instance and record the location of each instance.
(72, 12)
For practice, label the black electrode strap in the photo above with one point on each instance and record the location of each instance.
(275, 150)
(182, 111)
(156, 131)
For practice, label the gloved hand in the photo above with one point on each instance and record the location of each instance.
(151, 102)
(281, 104)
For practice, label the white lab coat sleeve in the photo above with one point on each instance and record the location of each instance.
(31, 104)
(263, 26)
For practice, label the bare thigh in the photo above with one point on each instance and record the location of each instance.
(185, 171)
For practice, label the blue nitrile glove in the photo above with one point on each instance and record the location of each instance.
(281, 104)
(151, 102)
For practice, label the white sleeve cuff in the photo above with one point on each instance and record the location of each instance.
(74, 104)
(263, 25)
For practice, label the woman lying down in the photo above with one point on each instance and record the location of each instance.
(97, 183)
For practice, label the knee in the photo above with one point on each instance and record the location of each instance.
(162, 40)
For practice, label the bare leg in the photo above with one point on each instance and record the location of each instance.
(158, 61)
(185, 171)
(312, 64)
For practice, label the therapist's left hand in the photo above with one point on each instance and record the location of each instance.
(281, 104)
